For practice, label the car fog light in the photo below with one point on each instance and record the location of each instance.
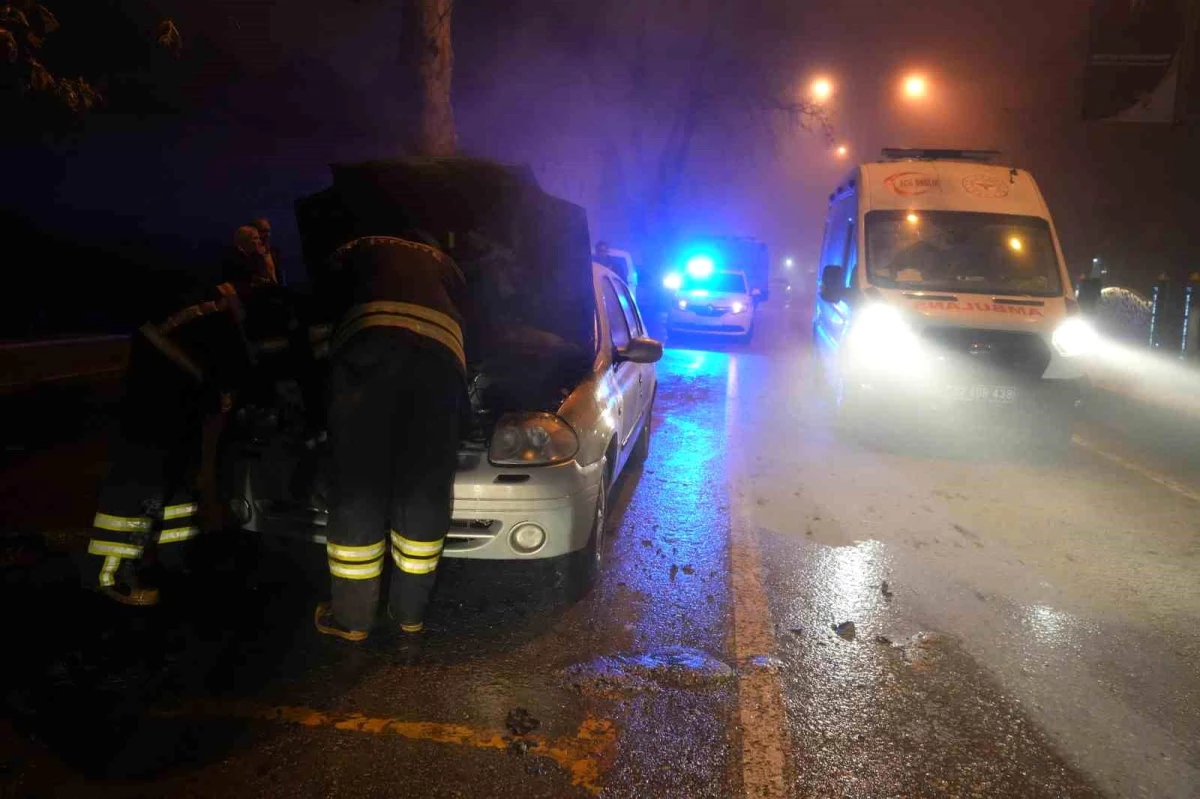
(527, 538)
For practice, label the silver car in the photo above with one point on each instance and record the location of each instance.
(537, 486)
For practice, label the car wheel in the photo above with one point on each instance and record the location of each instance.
(578, 570)
(641, 447)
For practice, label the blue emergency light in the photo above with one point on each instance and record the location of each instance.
(700, 266)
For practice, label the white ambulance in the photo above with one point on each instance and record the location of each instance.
(944, 299)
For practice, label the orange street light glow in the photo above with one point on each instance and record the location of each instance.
(842, 151)
(913, 219)
(1015, 244)
(914, 86)
(822, 89)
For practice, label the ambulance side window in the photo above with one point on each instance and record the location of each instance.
(824, 259)
(850, 255)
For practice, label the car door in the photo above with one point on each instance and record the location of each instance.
(625, 373)
(645, 371)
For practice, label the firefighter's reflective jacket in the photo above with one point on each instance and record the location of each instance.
(382, 281)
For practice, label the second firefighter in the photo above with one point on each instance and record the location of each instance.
(397, 394)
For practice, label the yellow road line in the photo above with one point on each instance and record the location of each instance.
(585, 756)
(1137, 468)
(760, 694)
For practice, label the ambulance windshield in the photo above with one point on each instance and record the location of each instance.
(962, 252)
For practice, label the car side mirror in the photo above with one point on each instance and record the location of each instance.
(1088, 294)
(833, 283)
(640, 350)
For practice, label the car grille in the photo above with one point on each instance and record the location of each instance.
(1025, 354)
(467, 534)
(708, 310)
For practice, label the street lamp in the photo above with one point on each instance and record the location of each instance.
(787, 262)
(822, 89)
(842, 151)
(915, 87)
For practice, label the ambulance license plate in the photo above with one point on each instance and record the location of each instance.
(994, 395)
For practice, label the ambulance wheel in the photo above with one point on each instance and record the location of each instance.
(819, 376)
(1052, 436)
(851, 416)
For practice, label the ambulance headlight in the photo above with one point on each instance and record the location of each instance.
(881, 335)
(738, 307)
(1075, 337)
(673, 281)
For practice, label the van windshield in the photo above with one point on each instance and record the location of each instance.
(962, 251)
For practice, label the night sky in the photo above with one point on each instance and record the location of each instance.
(268, 92)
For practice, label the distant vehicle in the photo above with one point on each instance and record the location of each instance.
(945, 294)
(620, 262)
(730, 254)
(710, 302)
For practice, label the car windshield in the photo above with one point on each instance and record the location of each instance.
(718, 282)
(962, 252)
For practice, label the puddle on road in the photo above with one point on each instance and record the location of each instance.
(669, 667)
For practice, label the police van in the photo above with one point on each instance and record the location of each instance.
(944, 298)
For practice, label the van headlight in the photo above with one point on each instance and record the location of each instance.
(880, 335)
(738, 307)
(1075, 337)
(532, 439)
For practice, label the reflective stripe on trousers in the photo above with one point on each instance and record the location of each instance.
(179, 517)
(356, 563)
(416, 557)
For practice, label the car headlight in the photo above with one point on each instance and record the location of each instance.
(738, 307)
(683, 305)
(532, 439)
(1075, 337)
(881, 334)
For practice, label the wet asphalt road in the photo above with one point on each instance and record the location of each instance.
(1020, 628)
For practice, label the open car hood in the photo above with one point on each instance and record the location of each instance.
(525, 253)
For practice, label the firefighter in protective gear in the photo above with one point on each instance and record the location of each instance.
(397, 391)
(179, 370)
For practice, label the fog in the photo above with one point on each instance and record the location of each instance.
(594, 97)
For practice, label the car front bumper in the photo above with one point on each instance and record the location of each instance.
(729, 324)
(490, 504)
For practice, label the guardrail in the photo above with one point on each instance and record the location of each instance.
(28, 364)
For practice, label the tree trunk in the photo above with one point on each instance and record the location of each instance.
(428, 64)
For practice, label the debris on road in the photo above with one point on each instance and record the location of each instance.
(674, 570)
(689, 569)
(670, 667)
(519, 721)
(886, 590)
(845, 630)
(520, 747)
(883, 639)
